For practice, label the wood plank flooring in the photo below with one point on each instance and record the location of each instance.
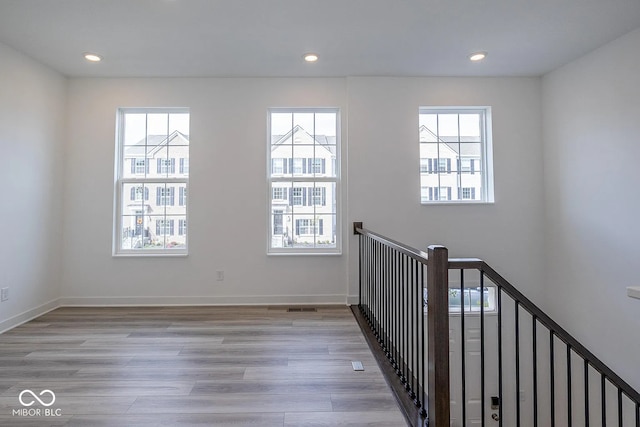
(185, 366)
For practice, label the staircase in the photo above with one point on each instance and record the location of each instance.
(463, 347)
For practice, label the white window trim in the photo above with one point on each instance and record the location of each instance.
(307, 178)
(120, 182)
(487, 196)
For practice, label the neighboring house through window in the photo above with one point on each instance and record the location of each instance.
(303, 166)
(455, 154)
(146, 208)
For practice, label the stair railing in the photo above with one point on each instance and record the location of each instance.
(524, 369)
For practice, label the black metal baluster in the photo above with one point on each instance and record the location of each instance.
(463, 351)
(517, 331)
(569, 404)
(552, 388)
(417, 334)
(603, 397)
(619, 408)
(535, 370)
(586, 393)
(403, 313)
(412, 333)
(499, 302)
(482, 400)
(424, 345)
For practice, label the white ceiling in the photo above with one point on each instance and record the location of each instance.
(353, 37)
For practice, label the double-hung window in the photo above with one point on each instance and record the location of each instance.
(304, 181)
(455, 155)
(151, 202)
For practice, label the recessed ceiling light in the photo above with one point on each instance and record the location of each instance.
(477, 56)
(92, 57)
(310, 57)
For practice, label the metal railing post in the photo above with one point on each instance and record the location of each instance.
(438, 327)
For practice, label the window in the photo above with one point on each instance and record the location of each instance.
(277, 166)
(308, 227)
(164, 227)
(468, 193)
(139, 193)
(147, 207)
(184, 165)
(303, 174)
(139, 166)
(455, 153)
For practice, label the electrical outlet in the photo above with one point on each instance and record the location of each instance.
(220, 275)
(4, 294)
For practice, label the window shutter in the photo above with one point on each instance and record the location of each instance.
(324, 196)
(291, 165)
(430, 193)
(159, 165)
(171, 194)
(171, 227)
(181, 197)
(173, 165)
(473, 169)
(430, 165)
(304, 196)
(448, 193)
(448, 165)
(460, 193)
(133, 193)
(157, 227)
(324, 166)
(320, 231)
(473, 193)
(158, 195)
(297, 227)
(304, 165)
(285, 163)
(146, 166)
(181, 165)
(291, 197)
(284, 193)
(133, 165)
(310, 165)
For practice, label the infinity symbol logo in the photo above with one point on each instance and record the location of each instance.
(34, 396)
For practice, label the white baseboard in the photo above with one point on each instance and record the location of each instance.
(203, 300)
(28, 315)
(353, 299)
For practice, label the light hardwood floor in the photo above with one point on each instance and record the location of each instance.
(183, 366)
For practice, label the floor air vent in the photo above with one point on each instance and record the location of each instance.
(300, 309)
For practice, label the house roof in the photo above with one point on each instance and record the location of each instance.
(149, 146)
(327, 142)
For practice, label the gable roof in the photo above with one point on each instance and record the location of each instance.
(149, 146)
(328, 142)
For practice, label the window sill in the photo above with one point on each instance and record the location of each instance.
(459, 202)
(301, 253)
(150, 255)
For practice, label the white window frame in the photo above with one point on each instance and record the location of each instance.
(121, 181)
(485, 194)
(294, 179)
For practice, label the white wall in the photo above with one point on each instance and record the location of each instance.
(32, 122)
(227, 197)
(592, 147)
(384, 180)
(228, 186)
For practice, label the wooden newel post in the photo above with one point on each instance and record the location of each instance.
(438, 331)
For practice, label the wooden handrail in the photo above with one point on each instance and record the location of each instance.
(548, 322)
(438, 265)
